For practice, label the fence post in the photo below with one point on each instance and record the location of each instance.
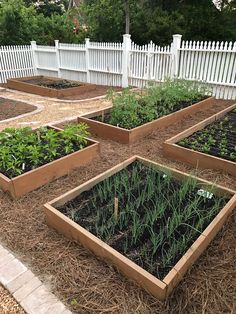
(58, 58)
(34, 56)
(125, 59)
(175, 46)
(87, 41)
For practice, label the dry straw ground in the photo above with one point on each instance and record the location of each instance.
(79, 278)
(8, 304)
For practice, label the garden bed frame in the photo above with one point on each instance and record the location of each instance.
(20, 84)
(125, 136)
(198, 159)
(33, 179)
(159, 288)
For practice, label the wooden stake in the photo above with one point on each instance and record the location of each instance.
(116, 207)
(103, 116)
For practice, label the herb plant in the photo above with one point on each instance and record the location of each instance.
(157, 218)
(23, 149)
(131, 110)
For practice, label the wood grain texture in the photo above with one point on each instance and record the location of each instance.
(126, 136)
(193, 157)
(31, 180)
(20, 84)
(158, 288)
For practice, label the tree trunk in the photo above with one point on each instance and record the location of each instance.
(127, 17)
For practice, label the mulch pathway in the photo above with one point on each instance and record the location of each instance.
(8, 304)
(11, 108)
(87, 284)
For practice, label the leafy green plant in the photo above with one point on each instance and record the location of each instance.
(131, 110)
(23, 149)
(217, 139)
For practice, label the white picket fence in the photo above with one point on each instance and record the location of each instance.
(16, 61)
(123, 64)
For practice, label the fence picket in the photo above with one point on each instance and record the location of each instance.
(101, 63)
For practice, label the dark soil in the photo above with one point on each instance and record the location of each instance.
(74, 273)
(99, 90)
(94, 217)
(54, 84)
(10, 108)
(217, 139)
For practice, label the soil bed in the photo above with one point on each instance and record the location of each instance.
(58, 88)
(89, 286)
(217, 139)
(141, 230)
(46, 82)
(11, 108)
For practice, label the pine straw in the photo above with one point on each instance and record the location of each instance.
(8, 304)
(73, 273)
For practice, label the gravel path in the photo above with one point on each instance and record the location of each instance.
(54, 110)
(8, 304)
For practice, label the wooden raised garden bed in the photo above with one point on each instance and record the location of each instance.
(74, 214)
(49, 86)
(111, 132)
(204, 147)
(20, 185)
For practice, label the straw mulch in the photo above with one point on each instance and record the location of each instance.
(8, 304)
(89, 285)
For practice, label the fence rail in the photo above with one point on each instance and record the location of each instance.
(123, 64)
(16, 61)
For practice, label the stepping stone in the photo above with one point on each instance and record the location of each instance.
(26, 288)
(11, 270)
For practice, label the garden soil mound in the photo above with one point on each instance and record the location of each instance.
(10, 108)
(87, 284)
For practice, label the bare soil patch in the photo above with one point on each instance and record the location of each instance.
(11, 108)
(87, 284)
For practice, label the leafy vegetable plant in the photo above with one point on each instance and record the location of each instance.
(131, 110)
(23, 149)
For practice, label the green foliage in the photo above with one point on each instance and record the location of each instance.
(22, 150)
(125, 112)
(215, 139)
(48, 7)
(47, 20)
(130, 110)
(159, 20)
(19, 24)
(158, 217)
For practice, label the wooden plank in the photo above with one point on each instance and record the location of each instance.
(20, 84)
(22, 184)
(35, 178)
(193, 157)
(159, 288)
(107, 131)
